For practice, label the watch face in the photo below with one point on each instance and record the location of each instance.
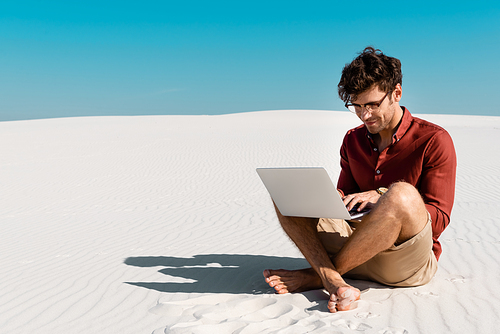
(382, 190)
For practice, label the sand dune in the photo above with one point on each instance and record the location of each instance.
(160, 225)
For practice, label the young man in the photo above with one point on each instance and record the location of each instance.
(401, 167)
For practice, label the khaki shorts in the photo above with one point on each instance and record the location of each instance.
(411, 263)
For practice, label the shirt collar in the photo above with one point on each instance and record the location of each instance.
(403, 126)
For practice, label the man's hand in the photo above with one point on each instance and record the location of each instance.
(366, 200)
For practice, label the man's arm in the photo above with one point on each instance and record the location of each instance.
(346, 183)
(437, 185)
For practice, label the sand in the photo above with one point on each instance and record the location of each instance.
(159, 224)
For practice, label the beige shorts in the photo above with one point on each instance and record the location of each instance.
(411, 263)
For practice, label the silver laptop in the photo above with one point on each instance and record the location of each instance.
(305, 192)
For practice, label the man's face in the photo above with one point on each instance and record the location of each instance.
(386, 118)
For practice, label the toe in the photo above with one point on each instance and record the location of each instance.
(281, 290)
(332, 303)
(332, 307)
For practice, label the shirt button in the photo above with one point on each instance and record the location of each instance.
(378, 171)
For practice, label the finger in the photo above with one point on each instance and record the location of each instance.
(355, 200)
(347, 199)
(362, 206)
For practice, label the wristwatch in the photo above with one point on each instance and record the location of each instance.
(382, 190)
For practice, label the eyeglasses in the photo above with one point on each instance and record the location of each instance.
(371, 107)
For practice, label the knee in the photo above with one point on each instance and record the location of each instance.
(405, 191)
(404, 197)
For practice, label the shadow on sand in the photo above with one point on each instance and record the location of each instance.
(214, 273)
(218, 273)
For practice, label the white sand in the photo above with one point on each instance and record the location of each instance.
(161, 225)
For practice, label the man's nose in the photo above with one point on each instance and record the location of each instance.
(364, 114)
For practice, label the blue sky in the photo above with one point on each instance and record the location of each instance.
(60, 59)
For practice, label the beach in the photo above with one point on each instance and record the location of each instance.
(160, 224)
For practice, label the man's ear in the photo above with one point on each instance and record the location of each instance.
(398, 93)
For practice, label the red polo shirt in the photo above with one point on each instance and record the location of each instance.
(421, 154)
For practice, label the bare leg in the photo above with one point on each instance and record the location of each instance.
(398, 216)
(303, 232)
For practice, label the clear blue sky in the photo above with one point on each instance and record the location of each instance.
(62, 58)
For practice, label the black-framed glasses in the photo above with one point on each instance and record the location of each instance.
(371, 106)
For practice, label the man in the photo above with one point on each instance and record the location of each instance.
(397, 242)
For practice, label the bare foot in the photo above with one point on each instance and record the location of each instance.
(342, 295)
(343, 299)
(284, 281)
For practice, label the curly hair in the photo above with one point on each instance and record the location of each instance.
(370, 68)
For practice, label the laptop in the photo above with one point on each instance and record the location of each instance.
(305, 192)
